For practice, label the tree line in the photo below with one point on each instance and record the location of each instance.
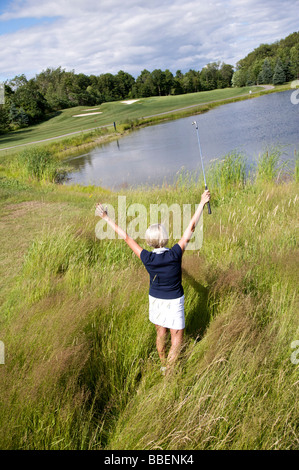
(275, 64)
(31, 101)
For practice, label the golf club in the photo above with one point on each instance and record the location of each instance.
(203, 170)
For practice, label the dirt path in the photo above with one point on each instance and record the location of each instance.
(267, 87)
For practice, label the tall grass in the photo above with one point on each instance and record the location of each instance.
(228, 174)
(269, 165)
(38, 164)
(81, 368)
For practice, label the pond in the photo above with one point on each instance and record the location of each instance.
(155, 154)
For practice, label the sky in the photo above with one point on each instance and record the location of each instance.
(105, 36)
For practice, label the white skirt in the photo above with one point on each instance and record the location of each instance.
(167, 312)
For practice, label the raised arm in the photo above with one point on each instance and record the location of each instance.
(132, 244)
(194, 221)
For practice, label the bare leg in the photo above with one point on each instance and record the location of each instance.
(176, 345)
(160, 342)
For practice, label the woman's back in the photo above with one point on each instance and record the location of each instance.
(165, 270)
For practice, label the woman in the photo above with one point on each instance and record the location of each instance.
(166, 294)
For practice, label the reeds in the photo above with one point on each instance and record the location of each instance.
(38, 164)
(269, 165)
(227, 175)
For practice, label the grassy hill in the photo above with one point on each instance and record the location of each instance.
(81, 369)
(65, 123)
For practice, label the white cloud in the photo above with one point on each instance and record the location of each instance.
(94, 36)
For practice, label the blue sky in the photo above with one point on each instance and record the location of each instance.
(99, 36)
(16, 23)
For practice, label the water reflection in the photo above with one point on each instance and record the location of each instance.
(155, 154)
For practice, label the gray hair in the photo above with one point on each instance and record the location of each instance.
(156, 236)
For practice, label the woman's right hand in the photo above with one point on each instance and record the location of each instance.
(205, 197)
(100, 211)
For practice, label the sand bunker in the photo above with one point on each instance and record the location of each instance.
(129, 101)
(87, 114)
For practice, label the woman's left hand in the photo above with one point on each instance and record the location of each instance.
(100, 211)
(205, 197)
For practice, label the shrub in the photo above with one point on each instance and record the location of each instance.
(40, 164)
(227, 174)
(269, 165)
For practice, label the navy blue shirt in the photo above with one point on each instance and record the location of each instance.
(165, 270)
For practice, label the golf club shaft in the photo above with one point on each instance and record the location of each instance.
(203, 170)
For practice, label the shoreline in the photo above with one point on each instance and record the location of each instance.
(139, 123)
(165, 117)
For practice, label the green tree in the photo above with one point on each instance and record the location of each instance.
(256, 68)
(162, 82)
(286, 49)
(209, 76)
(17, 82)
(168, 82)
(267, 71)
(53, 85)
(287, 70)
(13, 113)
(260, 78)
(144, 84)
(4, 119)
(239, 77)
(107, 85)
(17, 116)
(294, 56)
(23, 119)
(125, 82)
(178, 83)
(94, 97)
(158, 79)
(5, 108)
(77, 89)
(63, 89)
(191, 82)
(31, 100)
(225, 75)
(279, 76)
(250, 77)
